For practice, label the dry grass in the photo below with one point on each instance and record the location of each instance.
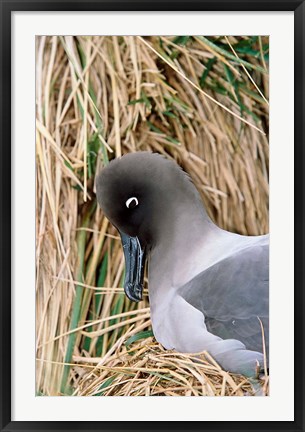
(201, 101)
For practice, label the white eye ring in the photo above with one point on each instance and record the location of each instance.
(130, 200)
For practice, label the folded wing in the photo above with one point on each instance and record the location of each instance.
(233, 296)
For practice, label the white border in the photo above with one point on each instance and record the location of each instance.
(279, 405)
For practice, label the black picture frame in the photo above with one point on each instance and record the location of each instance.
(6, 9)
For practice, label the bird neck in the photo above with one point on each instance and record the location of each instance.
(183, 231)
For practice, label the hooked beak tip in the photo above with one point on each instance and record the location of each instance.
(134, 294)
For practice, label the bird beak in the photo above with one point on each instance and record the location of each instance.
(134, 262)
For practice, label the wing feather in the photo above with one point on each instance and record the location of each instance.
(232, 294)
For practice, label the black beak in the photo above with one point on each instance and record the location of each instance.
(134, 262)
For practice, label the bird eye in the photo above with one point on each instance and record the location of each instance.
(132, 202)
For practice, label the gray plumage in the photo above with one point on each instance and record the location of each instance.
(208, 288)
(241, 277)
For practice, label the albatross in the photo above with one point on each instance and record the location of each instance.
(208, 288)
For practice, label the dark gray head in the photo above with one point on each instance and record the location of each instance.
(141, 194)
(137, 191)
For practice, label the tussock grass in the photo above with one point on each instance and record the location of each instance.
(202, 101)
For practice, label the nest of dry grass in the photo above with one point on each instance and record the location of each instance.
(199, 100)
